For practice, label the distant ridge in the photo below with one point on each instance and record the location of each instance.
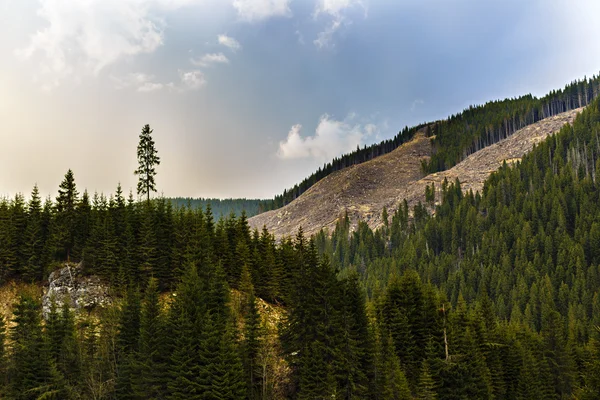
(220, 207)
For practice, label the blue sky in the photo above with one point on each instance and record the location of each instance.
(247, 97)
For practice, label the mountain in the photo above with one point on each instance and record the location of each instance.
(363, 190)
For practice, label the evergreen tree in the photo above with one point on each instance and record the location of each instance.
(34, 239)
(253, 335)
(148, 160)
(3, 356)
(66, 214)
(127, 341)
(31, 374)
(150, 380)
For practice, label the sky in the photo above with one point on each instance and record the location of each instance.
(248, 97)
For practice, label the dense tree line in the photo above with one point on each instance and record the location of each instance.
(462, 134)
(516, 267)
(222, 207)
(197, 343)
(477, 127)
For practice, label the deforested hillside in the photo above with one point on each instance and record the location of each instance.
(364, 190)
(361, 190)
(461, 134)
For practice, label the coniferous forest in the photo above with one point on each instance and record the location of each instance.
(222, 207)
(492, 295)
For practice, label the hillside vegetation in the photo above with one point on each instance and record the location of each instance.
(490, 295)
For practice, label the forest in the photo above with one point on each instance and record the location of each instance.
(221, 207)
(460, 135)
(492, 295)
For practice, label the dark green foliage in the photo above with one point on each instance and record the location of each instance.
(147, 160)
(64, 231)
(221, 208)
(3, 356)
(35, 236)
(127, 342)
(151, 363)
(591, 388)
(253, 335)
(31, 372)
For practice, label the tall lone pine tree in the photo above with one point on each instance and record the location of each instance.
(147, 159)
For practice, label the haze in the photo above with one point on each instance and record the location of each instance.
(247, 97)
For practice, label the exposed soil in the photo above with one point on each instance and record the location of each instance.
(363, 190)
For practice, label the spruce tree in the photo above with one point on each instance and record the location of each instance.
(591, 388)
(8, 255)
(147, 160)
(66, 214)
(253, 335)
(150, 381)
(31, 367)
(186, 321)
(127, 342)
(3, 356)
(34, 239)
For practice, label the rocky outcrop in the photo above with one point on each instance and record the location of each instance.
(69, 284)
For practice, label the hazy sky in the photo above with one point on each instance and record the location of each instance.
(247, 97)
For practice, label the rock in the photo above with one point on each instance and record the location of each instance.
(80, 291)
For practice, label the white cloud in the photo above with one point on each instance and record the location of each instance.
(229, 42)
(189, 80)
(325, 38)
(258, 10)
(192, 80)
(82, 37)
(138, 80)
(336, 10)
(210, 59)
(150, 87)
(336, 7)
(331, 139)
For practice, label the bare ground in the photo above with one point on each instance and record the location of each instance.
(364, 190)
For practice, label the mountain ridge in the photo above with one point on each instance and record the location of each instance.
(363, 190)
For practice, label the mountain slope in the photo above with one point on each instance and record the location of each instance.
(364, 190)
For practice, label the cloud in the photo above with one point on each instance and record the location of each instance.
(188, 80)
(229, 42)
(82, 37)
(331, 139)
(259, 10)
(336, 11)
(336, 7)
(210, 59)
(192, 80)
(150, 87)
(140, 81)
(325, 38)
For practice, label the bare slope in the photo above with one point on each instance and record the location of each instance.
(364, 189)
